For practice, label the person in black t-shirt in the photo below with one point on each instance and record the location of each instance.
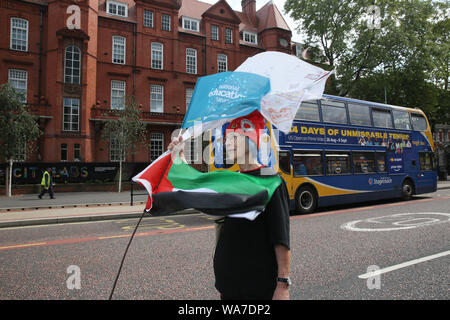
(252, 258)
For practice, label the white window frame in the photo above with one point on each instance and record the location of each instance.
(154, 59)
(187, 24)
(228, 35)
(299, 50)
(16, 76)
(166, 25)
(157, 97)
(114, 150)
(148, 18)
(75, 149)
(116, 47)
(215, 34)
(191, 61)
(156, 145)
(247, 37)
(71, 75)
(70, 123)
(219, 62)
(19, 29)
(117, 87)
(117, 4)
(189, 93)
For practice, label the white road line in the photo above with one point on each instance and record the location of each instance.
(403, 265)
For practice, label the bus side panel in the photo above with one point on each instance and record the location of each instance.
(334, 190)
(358, 197)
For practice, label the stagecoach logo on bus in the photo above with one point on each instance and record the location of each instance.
(380, 181)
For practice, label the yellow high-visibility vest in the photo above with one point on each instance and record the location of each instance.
(43, 182)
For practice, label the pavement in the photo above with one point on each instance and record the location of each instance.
(27, 209)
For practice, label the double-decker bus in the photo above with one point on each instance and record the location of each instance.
(343, 150)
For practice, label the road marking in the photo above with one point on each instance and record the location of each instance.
(23, 245)
(400, 221)
(81, 240)
(366, 208)
(403, 265)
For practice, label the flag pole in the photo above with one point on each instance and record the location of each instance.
(134, 232)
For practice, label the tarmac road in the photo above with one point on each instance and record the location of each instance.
(171, 257)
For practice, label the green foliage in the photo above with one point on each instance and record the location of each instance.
(127, 130)
(18, 128)
(405, 53)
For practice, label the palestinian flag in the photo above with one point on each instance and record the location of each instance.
(174, 185)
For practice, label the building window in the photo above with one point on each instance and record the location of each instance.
(156, 98)
(72, 63)
(117, 94)
(299, 50)
(214, 32)
(157, 55)
(165, 22)
(119, 47)
(76, 152)
(19, 34)
(18, 80)
(191, 24)
(148, 19)
(63, 151)
(114, 150)
(250, 37)
(191, 61)
(228, 35)
(71, 114)
(222, 63)
(117, 8)
(189, 92)
(156, 145)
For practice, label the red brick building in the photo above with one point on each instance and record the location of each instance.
(75, 64)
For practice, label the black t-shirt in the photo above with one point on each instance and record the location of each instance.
(245, 263)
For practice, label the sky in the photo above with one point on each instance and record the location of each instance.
(236, 5)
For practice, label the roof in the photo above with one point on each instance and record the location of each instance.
(270, 17)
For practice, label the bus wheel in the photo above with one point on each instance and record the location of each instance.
(306, 200)
(407, 190)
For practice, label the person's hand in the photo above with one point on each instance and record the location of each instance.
(177, 145)
(281, 292)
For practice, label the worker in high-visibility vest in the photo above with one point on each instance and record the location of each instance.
(47, 184)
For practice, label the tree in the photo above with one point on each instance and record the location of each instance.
(392, 51)
(125, 132)
(18, 128)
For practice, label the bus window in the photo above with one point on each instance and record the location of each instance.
(308, 111)
(401, 120)
(307, 163)
(426, 160)
(334, 112)
(419, 122)
(359, 114)
(382, 118)
(285, 161)
(338, 162)
(381, 161)
(363, 162)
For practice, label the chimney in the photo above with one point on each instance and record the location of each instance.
(249, 8)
